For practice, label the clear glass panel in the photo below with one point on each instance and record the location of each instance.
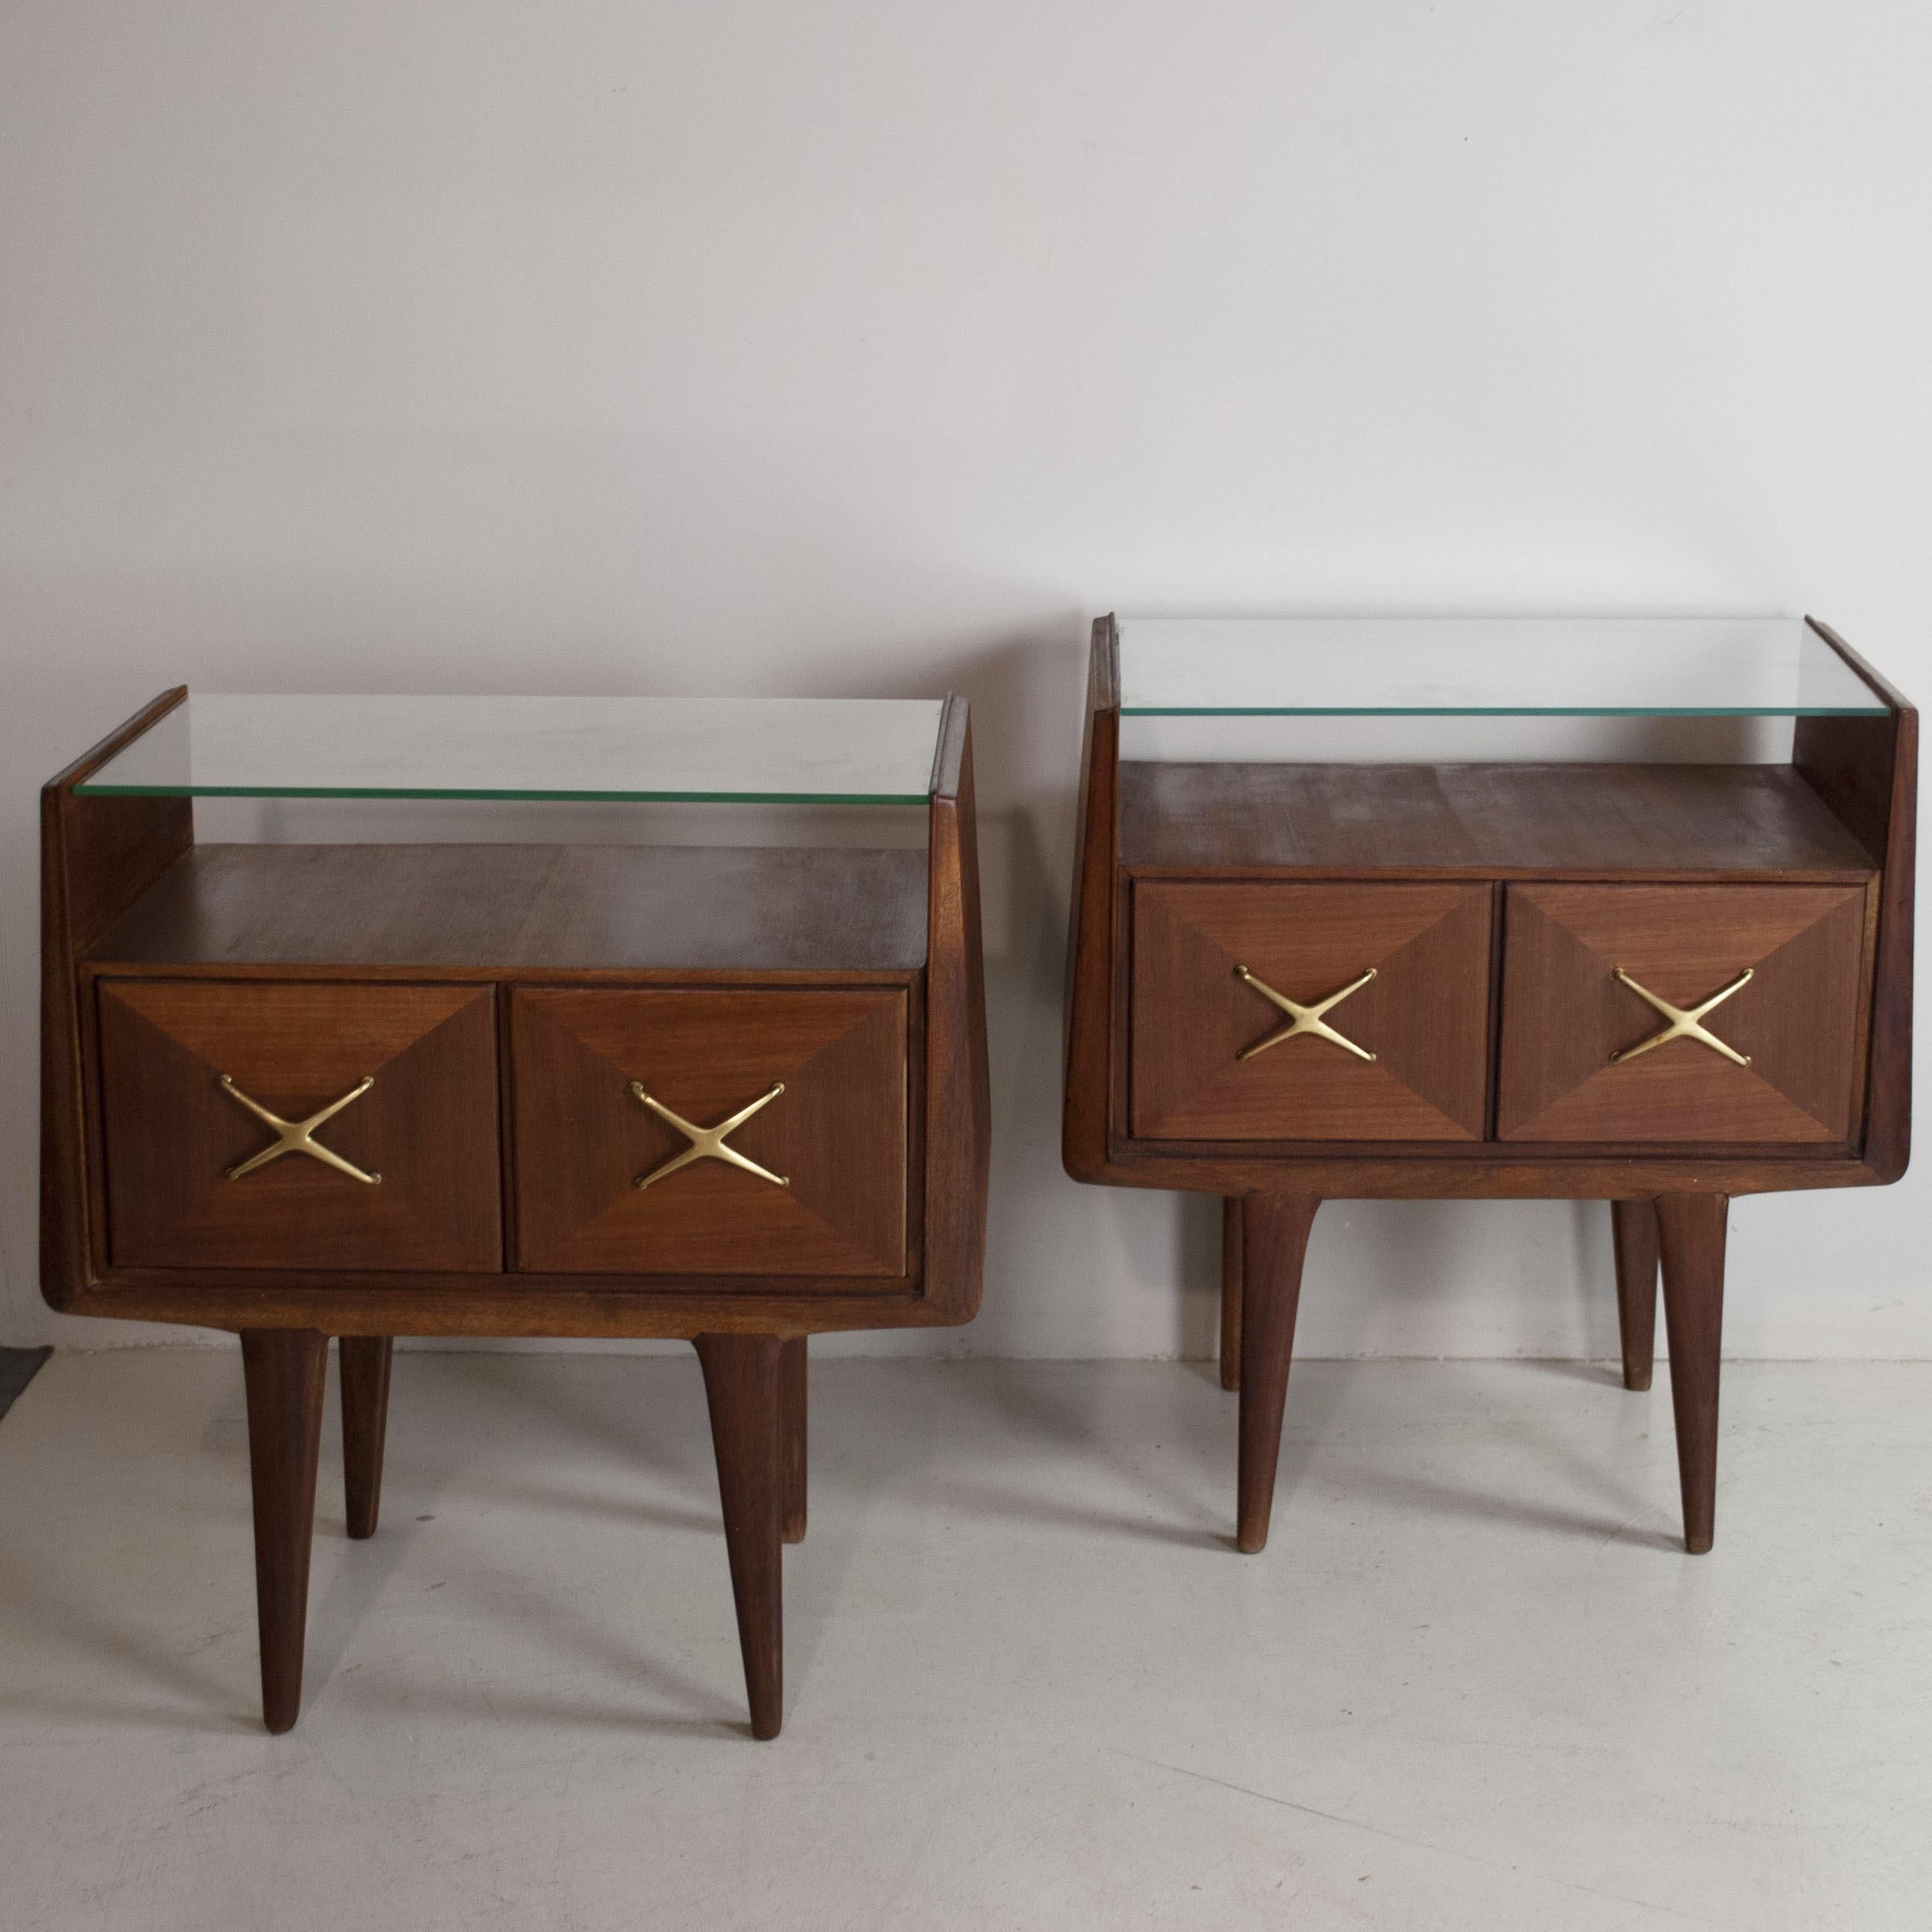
(1495, 666)
(787, 751)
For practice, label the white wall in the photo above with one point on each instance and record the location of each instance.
(627, 345)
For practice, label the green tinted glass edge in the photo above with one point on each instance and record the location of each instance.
(86, 790)
(1873, 710)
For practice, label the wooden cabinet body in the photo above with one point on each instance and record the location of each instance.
(1660, 986)
(735, 1096)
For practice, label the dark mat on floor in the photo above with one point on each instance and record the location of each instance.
(18, 1367)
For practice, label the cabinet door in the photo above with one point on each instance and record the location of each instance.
(616, 1088)
(1579, 960)
(1216, 1052)
(197, 1177)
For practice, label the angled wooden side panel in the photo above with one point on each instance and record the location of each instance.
(1889, 1107)
(1867, 770)
(958, 1089)
(1090, 972)
(98, 855)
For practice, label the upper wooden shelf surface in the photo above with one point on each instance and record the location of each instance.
(501, 910)
(1493, 820)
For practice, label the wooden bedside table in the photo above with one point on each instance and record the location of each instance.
(1658, 985)
(735, 1096)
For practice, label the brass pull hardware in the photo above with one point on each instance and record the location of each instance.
(1686, 1022)
(299, 1136)
(707, 1143)
(1303, 1019)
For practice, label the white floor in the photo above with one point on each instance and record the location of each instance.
(1473, 1681)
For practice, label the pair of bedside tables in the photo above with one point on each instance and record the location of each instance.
(739, 1096)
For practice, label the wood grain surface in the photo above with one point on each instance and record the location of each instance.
(1425, 1016)
(838, 1133)
(1091, 1105)
(98, 856)
(499, 910)
(284, 1371)
(951, 1065)
(1564, 1013)
(1231, 1292)
(1274, 1244)
(365, 1364)
(743, 1384)
(1633, 1238)
(1482, 820)
(428, 1125)
(1867, 771)
(1691, 1230)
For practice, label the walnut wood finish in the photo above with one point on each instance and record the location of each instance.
(1482, 821)
(1633, 1235)
(1098, 1148)
(98, 856)
(792, 1392)
(285, 1370)
(1866, 769)
(1095, 939)
(837, 1134)
(1274, 1240)
(1808, 869)
(958, 1129)
(365, 1363)
(498, 911)
(1424, 1016)
(1231, 1294)
(1690, 1229)
(744, 1385)
(948, 1090)
(1564, 1013)
(427, 1126)
(301, 955)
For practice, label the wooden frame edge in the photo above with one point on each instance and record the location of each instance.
(98, 855)
(1834, 754)
(1087, 1100)
(957, 1151)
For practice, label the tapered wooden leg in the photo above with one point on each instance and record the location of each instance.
(1691, 1228)
(1274, 1238)
(743, 1381)
(285, 1370)
(1231, 1292)
(791, 1451)
(365, 1423)
(1633, 1231)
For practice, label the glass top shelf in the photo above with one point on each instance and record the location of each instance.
(1485, 667)
(752, 751)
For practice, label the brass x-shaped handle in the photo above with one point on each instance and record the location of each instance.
(1686, 1022)
(707, 1143)
(299, 1136)
(1303, 1019)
